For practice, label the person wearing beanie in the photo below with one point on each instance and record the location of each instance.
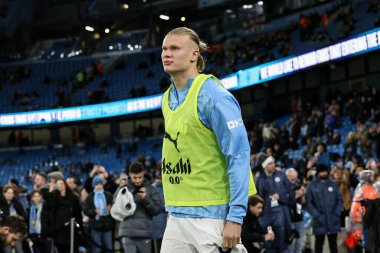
(97, 180)
(278, 194)
(109, 183)
(97, 207)
(324, 202)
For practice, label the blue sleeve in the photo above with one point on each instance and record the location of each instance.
(219, 111)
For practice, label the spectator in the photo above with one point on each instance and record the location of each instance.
(362, 134)
(10, 205)
(109, 183)
(304, 27)
(99, 68)
(342, 178)
(63, 205)
(321, 156)
(296, 212)
(39, 223)
(278, 195)
(350, 146)
(72, 183)
(253, 233)
(80, 78)
(136, 230)
(40, 183)
(324, 203)
(97, 208)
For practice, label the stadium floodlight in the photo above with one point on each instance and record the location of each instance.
(164, 17)
(89, 28)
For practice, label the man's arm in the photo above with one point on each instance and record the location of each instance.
(220, 112)
(222, 115)
(151, 200)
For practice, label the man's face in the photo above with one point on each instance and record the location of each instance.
(39, 181)
(271, 167)
(9, 238)
(137, 179)
(178, 53)
(292, 176)
(256, 210)
(323, 175)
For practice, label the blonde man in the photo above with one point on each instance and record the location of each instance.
(205, 158)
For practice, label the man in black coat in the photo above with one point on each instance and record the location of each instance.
(252, 231)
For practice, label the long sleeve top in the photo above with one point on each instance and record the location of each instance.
(217, 107)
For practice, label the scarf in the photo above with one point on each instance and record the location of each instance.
(100, 203)
(35, 218)
(12, 210)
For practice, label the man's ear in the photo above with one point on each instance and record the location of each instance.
(4, 230)
(194, 56)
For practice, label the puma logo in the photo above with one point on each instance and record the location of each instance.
(167, 136)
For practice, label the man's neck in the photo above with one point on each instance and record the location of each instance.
(180, 80)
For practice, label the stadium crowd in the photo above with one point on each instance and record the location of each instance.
(317, 189)
(332, 193)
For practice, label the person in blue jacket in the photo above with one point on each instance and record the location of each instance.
(324, 203)
(278, 194)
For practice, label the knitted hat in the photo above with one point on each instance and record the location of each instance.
(264, 159)
(97, 180)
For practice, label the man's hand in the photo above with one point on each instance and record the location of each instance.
(142, 193)
(231, 234)
(94, 171)
(269, 237)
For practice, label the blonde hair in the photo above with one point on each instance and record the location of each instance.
(201, 62)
